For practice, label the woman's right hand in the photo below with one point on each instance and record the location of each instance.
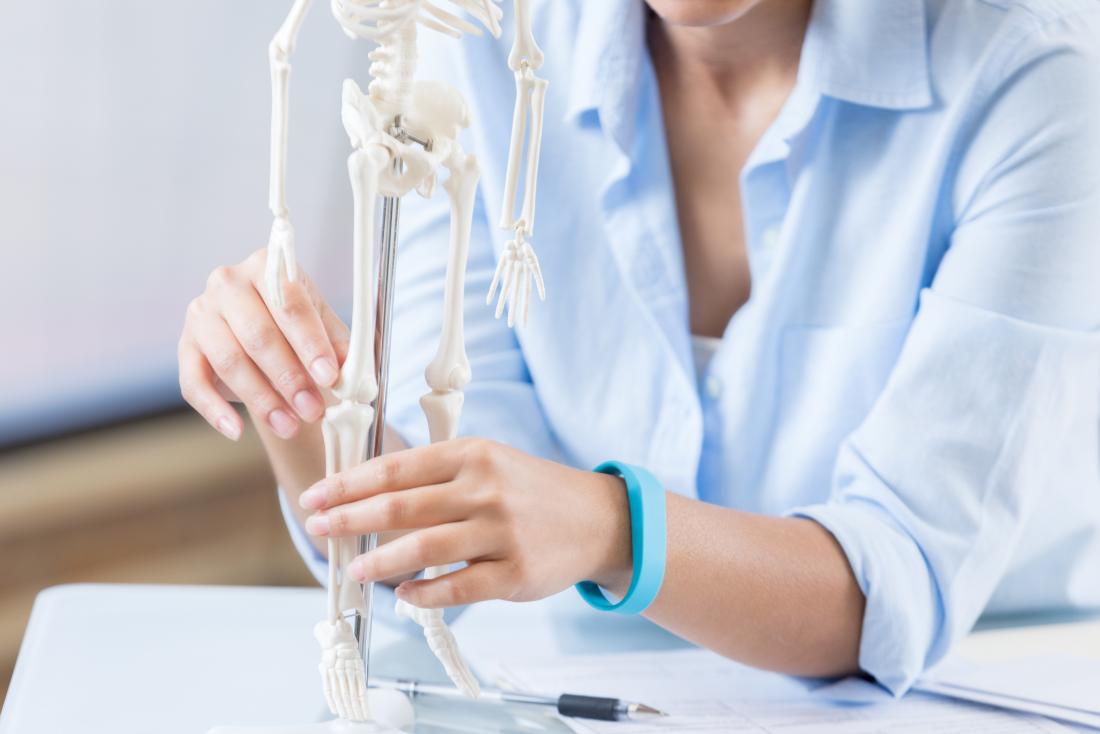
(235, 347)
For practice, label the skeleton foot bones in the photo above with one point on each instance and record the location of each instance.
(402, 132)
(443, 645)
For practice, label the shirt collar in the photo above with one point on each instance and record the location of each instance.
(872, 54)
(607, 65)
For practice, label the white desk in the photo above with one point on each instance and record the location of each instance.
(167, 659)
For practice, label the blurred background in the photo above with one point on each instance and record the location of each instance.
(133, 160)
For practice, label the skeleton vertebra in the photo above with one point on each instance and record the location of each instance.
(402, 131)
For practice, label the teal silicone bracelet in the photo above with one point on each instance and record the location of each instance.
(647, 539)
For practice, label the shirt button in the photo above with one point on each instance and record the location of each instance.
(713, 387)
(769, 238)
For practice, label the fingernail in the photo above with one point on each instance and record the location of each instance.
(308, 405)
(282, 423)
(317, 524)
(323, 370)
(355, 570)
(229, 428)
(313, 498)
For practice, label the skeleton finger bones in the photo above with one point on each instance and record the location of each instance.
(518, 265)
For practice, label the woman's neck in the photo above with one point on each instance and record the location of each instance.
(752, 55)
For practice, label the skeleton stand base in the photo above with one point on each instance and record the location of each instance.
(392, 712)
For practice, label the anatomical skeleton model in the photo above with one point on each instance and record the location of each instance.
(402, 132)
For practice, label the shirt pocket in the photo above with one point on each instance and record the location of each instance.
(829, 379)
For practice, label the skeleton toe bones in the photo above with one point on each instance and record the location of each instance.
(442, 643)
(342, 670)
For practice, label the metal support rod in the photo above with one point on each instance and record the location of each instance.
(387, 265)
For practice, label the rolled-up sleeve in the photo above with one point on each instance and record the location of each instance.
(994, 402)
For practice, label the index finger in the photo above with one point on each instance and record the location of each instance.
(305, 332)
(422, 466)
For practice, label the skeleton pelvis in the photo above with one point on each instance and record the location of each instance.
(435, 113)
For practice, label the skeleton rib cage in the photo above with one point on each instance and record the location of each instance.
(402, 131)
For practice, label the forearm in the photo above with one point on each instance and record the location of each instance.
(776, 593)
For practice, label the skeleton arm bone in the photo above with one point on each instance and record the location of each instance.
(518, 264)
(281, 256)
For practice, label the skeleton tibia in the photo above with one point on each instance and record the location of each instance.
(442, 409)
(346, 430)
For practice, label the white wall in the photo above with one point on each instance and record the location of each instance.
(133, 160)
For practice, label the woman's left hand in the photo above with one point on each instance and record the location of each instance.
(527, 527)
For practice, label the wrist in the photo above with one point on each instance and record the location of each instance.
(612, 554)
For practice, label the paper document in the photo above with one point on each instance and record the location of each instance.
(707, 694)
(1052, 670)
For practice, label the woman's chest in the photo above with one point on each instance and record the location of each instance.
(836, 249)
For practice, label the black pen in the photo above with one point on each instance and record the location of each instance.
(567, 704)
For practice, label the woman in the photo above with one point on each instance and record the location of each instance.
(828, 270)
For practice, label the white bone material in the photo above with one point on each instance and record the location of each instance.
(447, 374)
(518, 266)
(342, 670)
(345, 429)
(402, 131)
(281, 257)
(441, 640)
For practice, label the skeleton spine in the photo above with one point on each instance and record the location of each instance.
(394, 63)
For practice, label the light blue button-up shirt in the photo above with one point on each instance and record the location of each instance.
(918, 367)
